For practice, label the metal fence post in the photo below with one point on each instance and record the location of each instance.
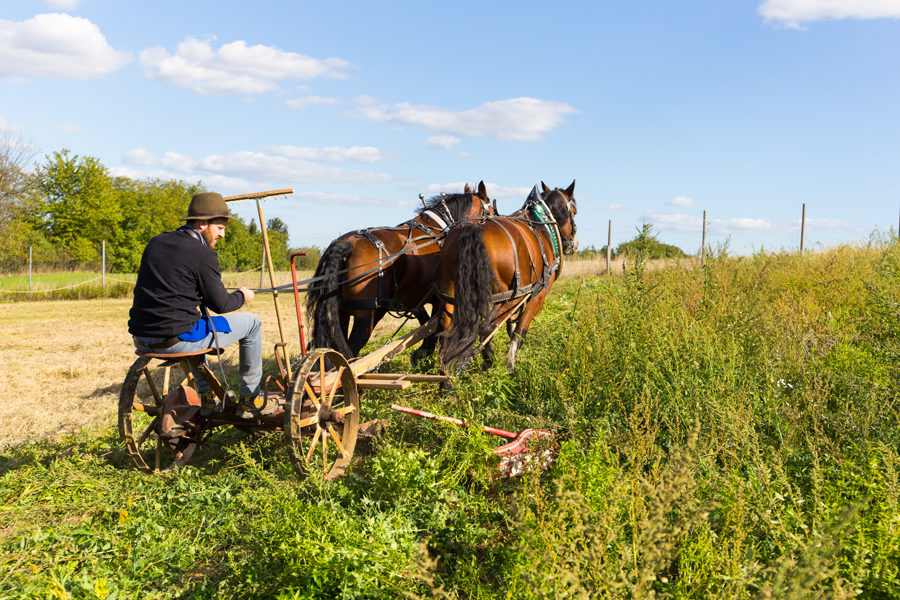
(802, 227)
(703, 242)
(609, 249)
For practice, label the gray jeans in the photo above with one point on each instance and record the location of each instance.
(246, 329)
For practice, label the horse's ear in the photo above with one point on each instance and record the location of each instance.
(544, 185)
(482, 189)
(571, 189)
(467, 189)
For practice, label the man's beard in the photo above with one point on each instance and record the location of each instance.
(210, 237)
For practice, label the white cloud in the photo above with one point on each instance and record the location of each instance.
(516, 119)
(305, 101)
(493, 190)
(335, 154)
(335, 199)
(814, 224)
(6, 128)
(63, 4)
(442, 142)
(140, 157)
(681, 201)
(794, 12)
(70, 128)
(57, 46)
(235, 68)
(282, 164)
(694, 224)
(178, 162)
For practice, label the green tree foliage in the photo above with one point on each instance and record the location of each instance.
(70, 205)
(17, 230)
(310, 260)
(80, 208)
(147, 208)
(646, 244)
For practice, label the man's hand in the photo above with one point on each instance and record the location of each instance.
(248, 294)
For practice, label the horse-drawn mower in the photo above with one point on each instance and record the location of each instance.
(318, 400)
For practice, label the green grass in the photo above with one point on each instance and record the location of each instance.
(725, 432)
(69, 285)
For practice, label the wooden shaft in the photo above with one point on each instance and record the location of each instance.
(258, 195)
(268, 253)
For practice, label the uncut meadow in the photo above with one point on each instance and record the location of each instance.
(725, 431)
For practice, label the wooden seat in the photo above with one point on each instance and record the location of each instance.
(179, 355)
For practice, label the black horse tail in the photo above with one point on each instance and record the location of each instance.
(471, 304)
(323, 299)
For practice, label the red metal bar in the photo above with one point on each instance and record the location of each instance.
(421, 413)
(297, 301)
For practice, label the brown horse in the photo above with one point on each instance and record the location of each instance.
(502, 267)
(367, 273)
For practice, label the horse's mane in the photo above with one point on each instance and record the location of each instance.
(555, 201)
(457, 204)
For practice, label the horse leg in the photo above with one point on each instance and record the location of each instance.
(426, 348)
(487, 356)
(364, 322)
(516, 338)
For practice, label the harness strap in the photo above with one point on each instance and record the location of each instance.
(516, 274)
(436, 218)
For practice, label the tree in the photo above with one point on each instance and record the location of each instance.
(17, 229)
(80, 208)
(650, 247)
(14, 181)
(147, 208)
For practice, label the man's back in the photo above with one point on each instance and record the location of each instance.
(178, 272)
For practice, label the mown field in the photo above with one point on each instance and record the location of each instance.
(727, 431)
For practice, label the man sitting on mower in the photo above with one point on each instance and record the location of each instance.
(179, 272)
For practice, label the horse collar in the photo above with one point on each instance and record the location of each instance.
(436, 218)
(540, 210)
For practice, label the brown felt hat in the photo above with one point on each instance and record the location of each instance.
(206, 206)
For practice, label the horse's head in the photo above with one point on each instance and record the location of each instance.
(453, 208)
(484, 206)
(562, 204)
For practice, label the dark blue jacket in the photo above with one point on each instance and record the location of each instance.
(178, 273)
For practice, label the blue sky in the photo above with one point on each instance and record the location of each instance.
(658, 110)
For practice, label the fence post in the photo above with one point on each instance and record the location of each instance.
(29, 268)
(609, 249)
(802, 227)
(103, 268)
(703, 242)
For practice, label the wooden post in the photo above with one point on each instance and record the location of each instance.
(802, 227)
(262, 266)
(609, 249)
(703, 242)
(103, 267)
(268, 254)
(29, 268)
